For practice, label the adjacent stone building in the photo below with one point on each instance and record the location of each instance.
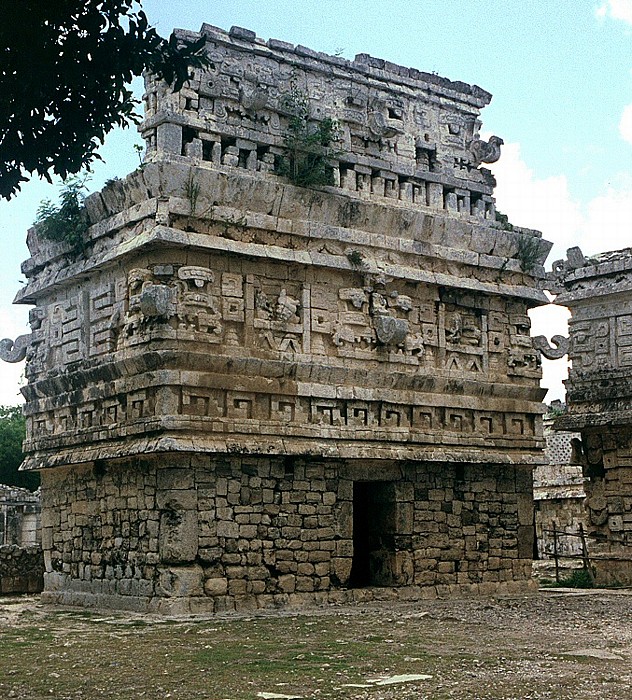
(21, 560)
(598, 292)
(247, 392)
(19, 516)
(558, 492)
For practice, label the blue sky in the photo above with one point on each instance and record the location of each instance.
(560, 72)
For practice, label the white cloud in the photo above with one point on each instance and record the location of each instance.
(543, 204)
(601, 224)
(608, 222)
(616, 9)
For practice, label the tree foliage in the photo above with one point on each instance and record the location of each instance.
(67, 220)
(12, 433)
(65, 67)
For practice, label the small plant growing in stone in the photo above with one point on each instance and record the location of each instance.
(232, 224)
(578, 578)
(504, 222)
(65, 221)
(355, 258)
(139, 151)
(528, 252)
(556, 409)
(308, 144)
(192, 189)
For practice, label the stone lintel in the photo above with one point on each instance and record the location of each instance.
(481, 454)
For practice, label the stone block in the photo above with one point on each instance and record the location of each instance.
(174, 499)
(287, 583)
(178, 539)
(305, 584)
(341, 569)
(216, 586)
(343, 514)
(229, 529)
(404, 518)
(224, 604)
(169, 138)
(180, 581)
(172, 478)
(237, 587)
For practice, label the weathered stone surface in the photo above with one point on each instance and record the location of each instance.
(180, 582)
(292, 552)
(215, 586)
(178, 536)
(302, 389)
(598, 292)
(559, 494)
(21, 569)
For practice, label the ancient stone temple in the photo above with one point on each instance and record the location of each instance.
(598, 291)
(254, 386)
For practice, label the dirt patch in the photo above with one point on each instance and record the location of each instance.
(558, 645)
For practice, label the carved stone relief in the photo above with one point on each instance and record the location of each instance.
(463, 338)
(14, 351)
(371, 318)
(278, 315)
(561, 346)
(169, 297)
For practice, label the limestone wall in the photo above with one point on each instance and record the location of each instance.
(214, 297)
(566, 514)
(230, 316)
(559, 494)
(232, 533)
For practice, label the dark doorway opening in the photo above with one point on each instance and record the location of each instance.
(374, 530)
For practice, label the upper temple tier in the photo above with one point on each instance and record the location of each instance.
(409, 136)
(224, 302)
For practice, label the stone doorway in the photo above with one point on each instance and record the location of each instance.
(374, 532)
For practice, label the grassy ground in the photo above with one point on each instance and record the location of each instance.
(556, 645)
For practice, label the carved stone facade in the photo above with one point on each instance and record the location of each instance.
(404, 135)
(245, 392)
(598, 291)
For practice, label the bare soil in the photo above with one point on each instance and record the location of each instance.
(560, 644)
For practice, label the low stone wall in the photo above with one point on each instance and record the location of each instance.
(21, 569)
